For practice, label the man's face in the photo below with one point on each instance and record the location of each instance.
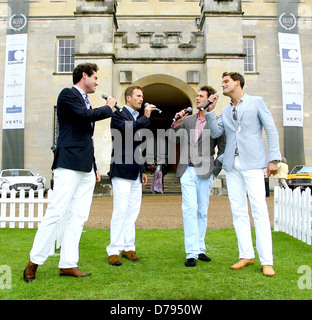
(201, 99)
(90, 82)
(229, 85)
(135, 101)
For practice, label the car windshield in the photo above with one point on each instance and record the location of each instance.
(301, 169)
(17, 173)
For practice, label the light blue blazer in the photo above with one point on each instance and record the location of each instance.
(246, 133)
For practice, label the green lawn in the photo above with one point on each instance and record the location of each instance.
(161, 274)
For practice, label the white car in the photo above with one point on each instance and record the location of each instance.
(21, 179)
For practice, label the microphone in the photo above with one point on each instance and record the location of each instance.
(146, 104)
(187, 111)
(208, 102)
(105, 96)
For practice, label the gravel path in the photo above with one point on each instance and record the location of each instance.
(164, 212)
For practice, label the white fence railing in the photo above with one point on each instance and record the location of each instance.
(20, 210)
(292, 212)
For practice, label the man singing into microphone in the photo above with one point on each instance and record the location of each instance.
(127, 176)
(244, 159)
(196, 169)
(75, 173)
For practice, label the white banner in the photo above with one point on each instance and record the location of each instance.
(292, 79)
(14, 82)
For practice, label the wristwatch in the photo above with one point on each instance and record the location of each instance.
(275, 161)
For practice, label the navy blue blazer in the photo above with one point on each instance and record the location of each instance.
(75, 148)
(123, 129)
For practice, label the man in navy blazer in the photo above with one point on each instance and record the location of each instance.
(245, 157)
(127, 175)
(75, 174)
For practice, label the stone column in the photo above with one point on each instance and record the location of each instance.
(221, 22)
(95, 26)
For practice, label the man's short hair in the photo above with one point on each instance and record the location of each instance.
(129, 91)
(235, 76)
(209, 90)
(88, 68)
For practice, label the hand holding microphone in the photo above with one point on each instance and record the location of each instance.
(213, 97)
(146, 104)
(111, 102)
(181, 114)
(148, 108)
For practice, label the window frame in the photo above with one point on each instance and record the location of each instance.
(247, 40)
(67, 57)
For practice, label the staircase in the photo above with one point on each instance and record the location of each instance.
(171, 184)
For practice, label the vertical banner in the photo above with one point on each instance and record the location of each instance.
(14, 85)
(292, 81)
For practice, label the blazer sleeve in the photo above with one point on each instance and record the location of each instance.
(215, 124)
(71, 104)
(267, 121)
(123, 122)
(220, 143)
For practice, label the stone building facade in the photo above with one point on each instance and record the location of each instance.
(169, 47)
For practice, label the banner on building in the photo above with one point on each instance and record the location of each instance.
(291, 64)
(292, 79)
(13, 107)
(14, 82)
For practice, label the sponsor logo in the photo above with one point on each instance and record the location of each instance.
(290, 54)
(288, 21)
(14, 109)
(17, 22)
(16, 57)
(293, 107)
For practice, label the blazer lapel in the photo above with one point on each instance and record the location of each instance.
(191, 126)
(79, 95)
(204, 133)
(243, 106)
(127, 113)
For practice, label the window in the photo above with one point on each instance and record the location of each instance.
(65, 55)
(250, 58)
(159, 40)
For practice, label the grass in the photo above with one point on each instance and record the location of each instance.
(161, 274)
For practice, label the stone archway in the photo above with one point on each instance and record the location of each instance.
(169, 94)
(168, 84)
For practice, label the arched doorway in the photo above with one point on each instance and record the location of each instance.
(170, 95)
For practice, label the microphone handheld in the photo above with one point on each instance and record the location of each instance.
(146, 104)
(208, 103)
(105, 96)
(187, 111)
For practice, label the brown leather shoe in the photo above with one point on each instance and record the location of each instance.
(268, 271)
(242, 263)
(73, 272)
(114, 260)
(30, 272)
(130, 255)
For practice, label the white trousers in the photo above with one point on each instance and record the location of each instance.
(238, 181)
(72, 195)
(195, 202)
(127, 204)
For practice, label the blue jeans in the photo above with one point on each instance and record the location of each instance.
(195, 202)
